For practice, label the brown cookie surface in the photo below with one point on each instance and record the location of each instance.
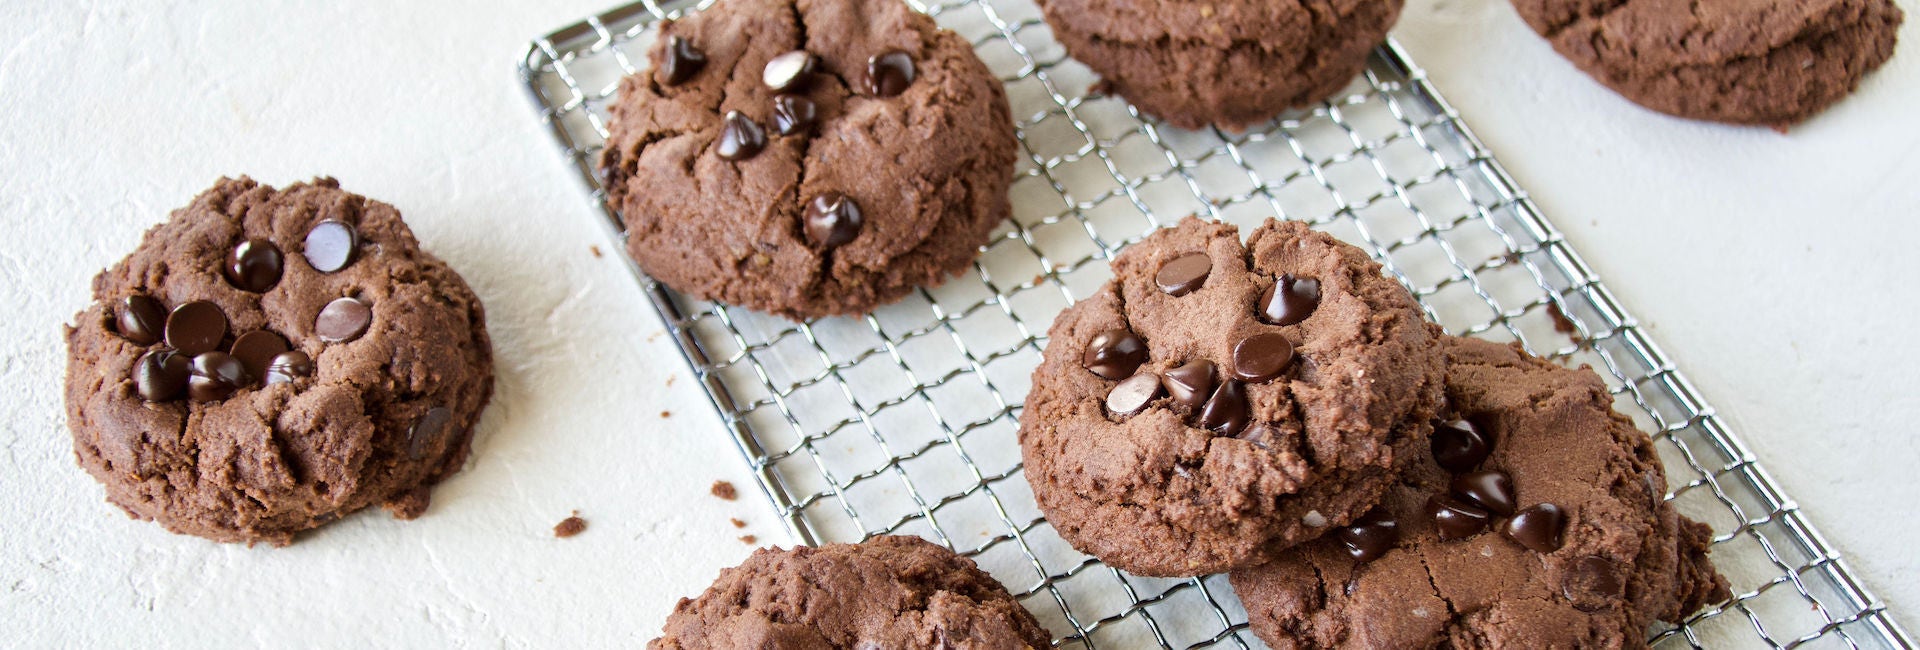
(267, 361)
(1535, 521)
(1218, 401)
(887, 592)
(809, 158)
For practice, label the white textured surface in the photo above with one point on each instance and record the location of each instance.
(1775, 268)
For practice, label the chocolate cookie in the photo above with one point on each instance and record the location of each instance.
(1764, 62)
(1230, 63)
(267, 361)
(888, 592)
(1217, 402)
(809, 158)
(1536, 520)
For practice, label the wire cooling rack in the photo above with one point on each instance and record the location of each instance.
(904, 421)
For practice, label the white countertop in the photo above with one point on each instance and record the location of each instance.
(1774, 268)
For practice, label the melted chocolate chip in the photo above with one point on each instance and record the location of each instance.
(343, 320)
(161, 375)
(1538, 528)
(140, 319)
(1489, 489)
(1184, 274)
(1262, 357)
(890, 73)
(1226, 411)
(1458, 446)
(289, 366)
(254, 266)
(1370, 537)
(740, 138)
(331, 245)
(1592, 576)
(216, 375)
(832, 220)
(1133, 395)
(196, 328)
(681, 62)
(427, 431)
(1455, 518)
(256, 350)
(1114, 354)
(791, 71)
(1290, 300)
(794, 115)
(1261, 435)
(1191, 384)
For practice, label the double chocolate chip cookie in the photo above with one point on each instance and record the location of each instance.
(887, 592)
(267, 361)
(809, 158)
(1536, 519)
(1218, 402)
(1767, 62)
(1228, 63)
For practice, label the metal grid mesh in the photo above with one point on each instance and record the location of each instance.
(904, 421)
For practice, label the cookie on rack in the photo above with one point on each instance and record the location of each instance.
(809, 158)
(1218, 402)
(886, 592)
(1537, 519)
(1773, 62)
(1232, 63)
(267, 361)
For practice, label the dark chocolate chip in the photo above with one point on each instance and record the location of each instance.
(1538, 527)
(140, 319)
(254, 266)
(1133, 395)
(740, 138)
(289, 366)
(161, 375)
(791, 71)
(682, 61)
(427, 431)
(1262, 357)
(1191, 384)
(1490, 489)
(196, 328)
(1290, 300)
(256, 350)
(1456, 518)
(1260, 435)
(216, 375)
(1184, 274)
(1458, 446)
(331, 245)
(1592, 576)
(1226, 411)
(343, 320)
(1114, 354)
(832, 220)
(794, 115)
(1370, 537)
(889, 74)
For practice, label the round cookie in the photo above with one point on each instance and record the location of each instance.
(887, 592)
(1536, 520)
(1218, 402)
(880, 164)
(1230, 63)
(1768, 62)
(267, 361)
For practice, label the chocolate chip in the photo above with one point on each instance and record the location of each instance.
(331, 245)
(1133, 395)
(140, 319)
(254, 266)
(1262, 357)
(1114, 354)
(740, 138)
(256, 350)
(288, 366)
(794, 115)
(161, 375)
(889, 74)
(1191, 384)
(1489, 489)
(1537, 528)
(216, 375)
(427, 431)
(1290, 300)
(1184, 274)
(1458, 446)
(343, 320)
(1370, 537)
(196, 328)
(1226, 411)
(790, 71)
(682, 61)
(832, 220)
(1261, 435)
(1455, 518)
(1592, 576)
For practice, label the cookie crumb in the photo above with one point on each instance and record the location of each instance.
(570, 526)
(724, 490)
(737, 523)
(670, 379)
(595, 248)
(666, 414)
(749, 540)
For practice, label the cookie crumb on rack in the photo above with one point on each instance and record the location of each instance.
(724, 490)
(595, 248)
(666, 414)
(737, 523)
(570, 526)
(749, 540)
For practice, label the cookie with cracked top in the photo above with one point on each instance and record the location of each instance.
(886, 592)
(809, 158)
(1218, 402)
(1768, 62)
(269, 360)
(1229, 63)
(1536, 520)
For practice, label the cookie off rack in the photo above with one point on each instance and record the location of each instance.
(905, 420)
